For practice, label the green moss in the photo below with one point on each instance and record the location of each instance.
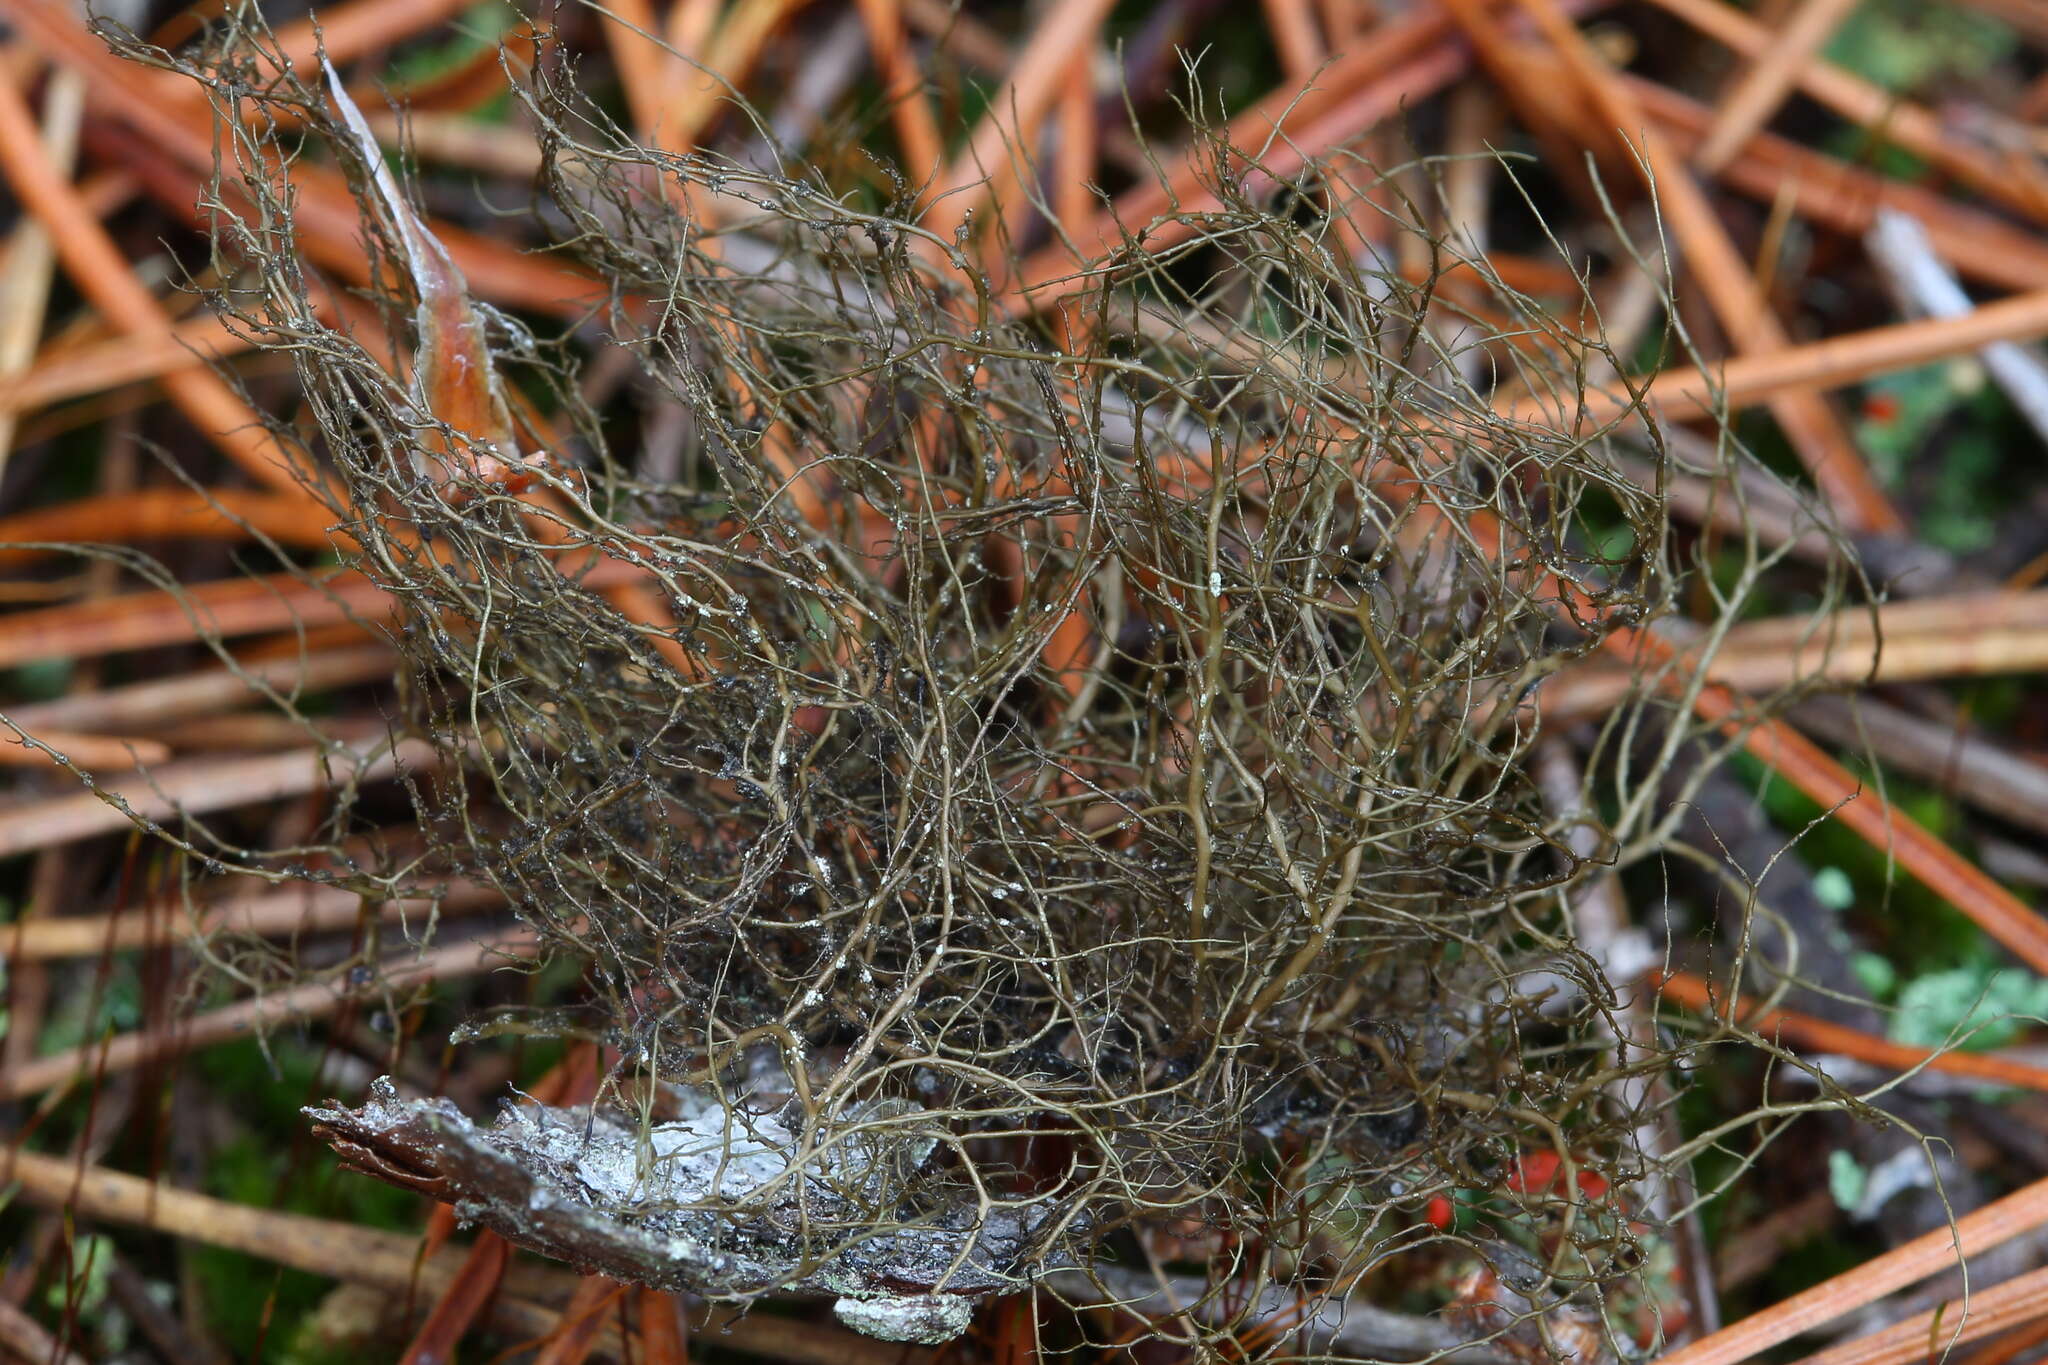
(251, 1302)
(40, 680)
(1952, 410)
(112, 1005)
(479, 29)
(1976, 1006)
(1946, 978)
(1903, 45)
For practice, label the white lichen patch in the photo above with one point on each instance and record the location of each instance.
(927, 1319)
(705, 1156)
(718, 1201)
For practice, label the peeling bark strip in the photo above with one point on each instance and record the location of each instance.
(717, 1202)
(453, 376)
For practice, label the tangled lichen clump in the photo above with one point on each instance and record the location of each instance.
(1087, 742)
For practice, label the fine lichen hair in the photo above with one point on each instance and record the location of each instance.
(1065, 742)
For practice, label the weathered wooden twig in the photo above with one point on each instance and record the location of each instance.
(1900, 246)
(1340, 1325)
(717, 1203)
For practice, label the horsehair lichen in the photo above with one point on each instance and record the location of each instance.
(1086, 743)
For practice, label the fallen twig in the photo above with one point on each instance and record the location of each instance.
(1900, 246)
(1955, 759)
(1346, 1326)
(30, 256)
(288, 911)
(1979, 635)
(165, 701)
(392, 1260)
(23, 1336)
(311, 1000)
(189, 787)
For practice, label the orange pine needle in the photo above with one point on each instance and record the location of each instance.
(729, 58)
(1695, 993)
(1685, 392)
(1017, 110)
(1782, 59)
(94, 366)
(664, 1337)
(1073, 185)
(1398, 62)
(1926, 858)
(1972, 1235)
(917, 131)
(2015, 1303)
(1845, 197)
(141, 620)
(102, 274)
(461, 1303)
(643, 66)
(169, 513)
(1773, 70)
(1296, 37)
(1965, 635)
(2009, 1349)
(1812, 427)
(326, 214)
(582, 1319)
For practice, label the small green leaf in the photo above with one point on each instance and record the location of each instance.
(1832, 887)
(1875, 972)
(1847, 1180)
(92, 1260)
